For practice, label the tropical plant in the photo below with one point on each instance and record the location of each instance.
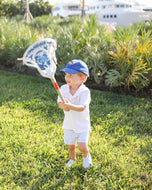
(69, 40)
(130, 59)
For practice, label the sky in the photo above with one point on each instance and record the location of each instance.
(147, 2)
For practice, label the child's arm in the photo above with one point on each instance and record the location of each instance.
(62, 106)
(68, 106)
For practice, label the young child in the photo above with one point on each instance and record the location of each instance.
(76, 122)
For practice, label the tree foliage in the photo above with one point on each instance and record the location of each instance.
(37, 8)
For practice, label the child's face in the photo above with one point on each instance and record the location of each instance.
(74, 80)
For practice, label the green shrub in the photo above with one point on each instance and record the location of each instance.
(122, 58)
(131, 59)
(15, 37)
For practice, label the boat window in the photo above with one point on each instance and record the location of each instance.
(73, 7)
(111, 6)
(56, 8)
(147, 9)
(91, 8)
(109, 16)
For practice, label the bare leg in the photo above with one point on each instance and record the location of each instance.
(83, 147)
(72, 151)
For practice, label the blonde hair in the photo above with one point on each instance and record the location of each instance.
(82, 76)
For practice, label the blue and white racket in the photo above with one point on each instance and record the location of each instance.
(41, 55)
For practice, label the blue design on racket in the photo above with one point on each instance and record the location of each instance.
(41, 55)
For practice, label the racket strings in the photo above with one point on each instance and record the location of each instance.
(41, 55)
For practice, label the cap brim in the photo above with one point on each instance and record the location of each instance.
(70, 71)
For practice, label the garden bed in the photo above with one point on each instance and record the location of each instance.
(146, 92)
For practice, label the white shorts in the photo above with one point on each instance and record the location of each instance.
(70, 137)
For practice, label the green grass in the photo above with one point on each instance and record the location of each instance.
(33, 154)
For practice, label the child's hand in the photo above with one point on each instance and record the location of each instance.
(64, 106)
(68, 106)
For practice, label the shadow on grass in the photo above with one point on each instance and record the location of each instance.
(59, 177)
(114, 112)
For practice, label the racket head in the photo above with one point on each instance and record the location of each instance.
(41, 55)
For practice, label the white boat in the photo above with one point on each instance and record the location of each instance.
(72, 8)
(67, 9)
(120, 12)
(115, 12)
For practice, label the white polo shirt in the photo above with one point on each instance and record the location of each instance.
(74, 120)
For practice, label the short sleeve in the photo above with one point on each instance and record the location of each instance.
(85, 97)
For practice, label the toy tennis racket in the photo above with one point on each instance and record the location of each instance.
(41, 55)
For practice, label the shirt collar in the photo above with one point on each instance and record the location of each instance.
(78, 91)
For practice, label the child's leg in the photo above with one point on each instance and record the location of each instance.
(72, 151)
(70, 140)
(83, 147)
(86, 155)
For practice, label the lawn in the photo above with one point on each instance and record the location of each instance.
(33, 154)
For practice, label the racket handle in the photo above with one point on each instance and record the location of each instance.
(61, 96)
(56, 86)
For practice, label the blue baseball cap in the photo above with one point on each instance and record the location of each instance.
(76, 66)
